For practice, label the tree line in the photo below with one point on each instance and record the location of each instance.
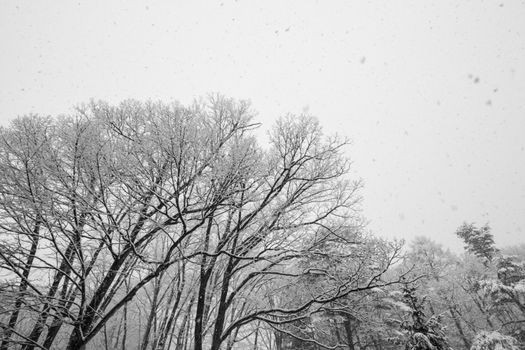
(163, 226)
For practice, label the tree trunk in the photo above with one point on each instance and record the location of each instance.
(23, 286)
(125, 327)
(221, 312)
(205, 274)
(62, 271)
(152, 313)
(349, 333)
(170, 316)
(278, 340)
(457, 323)
(255, 342)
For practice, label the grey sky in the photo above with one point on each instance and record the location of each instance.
(432, 93)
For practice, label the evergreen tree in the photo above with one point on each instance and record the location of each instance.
(423, 333)
(478, 241)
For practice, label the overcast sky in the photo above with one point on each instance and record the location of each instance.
(432, 93)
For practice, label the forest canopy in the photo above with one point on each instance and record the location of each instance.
(151, 225)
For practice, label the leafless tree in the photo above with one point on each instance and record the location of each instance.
(177, 208)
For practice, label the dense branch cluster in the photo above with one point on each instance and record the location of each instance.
(174, 207)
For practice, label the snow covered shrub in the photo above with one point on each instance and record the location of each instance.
(494, 341)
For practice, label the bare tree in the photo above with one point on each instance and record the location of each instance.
(175, 207)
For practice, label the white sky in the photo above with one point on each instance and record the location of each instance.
(432, 93)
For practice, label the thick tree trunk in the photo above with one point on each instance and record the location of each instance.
(221, 312)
